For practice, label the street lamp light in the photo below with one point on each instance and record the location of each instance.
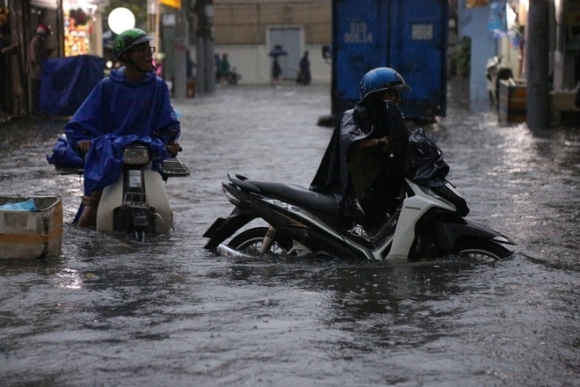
(121, 19)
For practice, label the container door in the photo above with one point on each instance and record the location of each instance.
(358, 46)
(417, 49)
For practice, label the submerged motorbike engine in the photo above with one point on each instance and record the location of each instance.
(135, 219)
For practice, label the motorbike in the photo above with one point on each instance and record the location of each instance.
(494, 73)
(428, 224)
(137, 202)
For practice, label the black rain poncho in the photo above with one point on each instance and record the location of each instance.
(424, 164)
(411, 155)
(334, 175)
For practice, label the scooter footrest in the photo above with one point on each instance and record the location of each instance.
(174, 168)
(69, 171)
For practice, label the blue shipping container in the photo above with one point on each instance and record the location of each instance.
(407, 35)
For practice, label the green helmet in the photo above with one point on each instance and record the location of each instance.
(129, 38)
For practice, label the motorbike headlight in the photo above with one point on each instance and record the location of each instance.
(136, 155)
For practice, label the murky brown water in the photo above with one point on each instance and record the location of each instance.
(111, 312)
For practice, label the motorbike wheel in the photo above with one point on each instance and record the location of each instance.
(250, 241)
(482, 251)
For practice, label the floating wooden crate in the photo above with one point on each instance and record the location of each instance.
(512, 101)
(31, 234)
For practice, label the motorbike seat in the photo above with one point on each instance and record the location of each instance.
(299, 195)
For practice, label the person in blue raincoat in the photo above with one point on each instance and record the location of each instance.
(131, 105)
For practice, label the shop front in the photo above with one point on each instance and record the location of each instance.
(82, 28)
(75, 29)
(68, 79)
(564, 58)
(566, 62)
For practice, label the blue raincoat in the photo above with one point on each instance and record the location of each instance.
(119, 112)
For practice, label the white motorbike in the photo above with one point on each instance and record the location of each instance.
(137, 203)
(428, 224)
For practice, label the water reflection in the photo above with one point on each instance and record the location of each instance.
(69, 279)
(353, 291)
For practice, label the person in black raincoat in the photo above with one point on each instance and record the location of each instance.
(364, 164)
(304, 77)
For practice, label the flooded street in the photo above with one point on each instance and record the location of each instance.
(112, 312)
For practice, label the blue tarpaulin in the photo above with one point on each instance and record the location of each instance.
(27, 205)
(66, 82)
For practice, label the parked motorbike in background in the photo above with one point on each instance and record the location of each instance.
(494, 73)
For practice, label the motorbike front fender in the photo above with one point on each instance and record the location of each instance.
(222, 228)
(113, 198)
(449, 233)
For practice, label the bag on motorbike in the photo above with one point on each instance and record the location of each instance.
(424, 164)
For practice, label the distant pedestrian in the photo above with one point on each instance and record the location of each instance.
(276, 71)
(159, 68)
(275, 53)
(218, 63)
(189, 66)
(225, 71)
(304, 70)
(158, 63)
(38, 52)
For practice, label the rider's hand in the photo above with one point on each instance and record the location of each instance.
(173, 149)
(84, 145)
(382, 143)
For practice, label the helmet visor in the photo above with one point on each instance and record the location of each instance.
(142, 40)
(400, 87)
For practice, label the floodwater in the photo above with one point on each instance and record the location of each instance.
(112, 312)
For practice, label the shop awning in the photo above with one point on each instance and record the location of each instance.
(51, 4)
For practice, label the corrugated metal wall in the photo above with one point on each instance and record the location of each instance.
(24, 17)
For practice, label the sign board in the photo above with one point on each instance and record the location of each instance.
(171, 3)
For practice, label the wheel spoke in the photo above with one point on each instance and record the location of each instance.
(482, 251)
(251, 241)
(479, 256)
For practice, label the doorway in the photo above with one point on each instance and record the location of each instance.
(289, 38)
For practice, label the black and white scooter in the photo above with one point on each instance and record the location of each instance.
(428, 224)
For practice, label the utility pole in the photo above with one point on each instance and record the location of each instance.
(153, 21)
(204, 46)
(537, 65)
(181, 42)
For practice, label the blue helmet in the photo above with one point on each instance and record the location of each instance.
(381, 78)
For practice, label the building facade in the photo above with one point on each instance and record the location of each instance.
(248, 30)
